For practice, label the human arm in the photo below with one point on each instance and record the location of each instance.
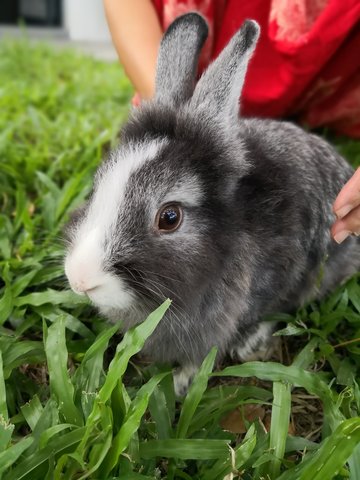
(136, 33)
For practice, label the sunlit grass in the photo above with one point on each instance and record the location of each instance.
(74, 403)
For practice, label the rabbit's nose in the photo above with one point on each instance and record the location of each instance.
(82, 287)
(83, 264)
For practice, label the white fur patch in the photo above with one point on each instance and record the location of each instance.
(259, 346)
(83, 268)
(84, 262)
(182, 378)
(112, 182)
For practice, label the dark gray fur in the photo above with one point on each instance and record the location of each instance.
(256, 241)
(175, 82)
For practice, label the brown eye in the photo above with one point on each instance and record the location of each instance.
(169, 218)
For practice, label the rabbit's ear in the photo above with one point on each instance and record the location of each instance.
(178, 59)
(219, 88)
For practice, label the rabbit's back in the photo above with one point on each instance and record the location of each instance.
(322, 170)
(286, 199)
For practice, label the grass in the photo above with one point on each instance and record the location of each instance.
(74, 403)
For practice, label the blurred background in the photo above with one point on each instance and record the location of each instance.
(79, 23)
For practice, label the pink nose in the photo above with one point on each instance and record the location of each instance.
(82, 287)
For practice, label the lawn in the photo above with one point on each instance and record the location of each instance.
(75, 400)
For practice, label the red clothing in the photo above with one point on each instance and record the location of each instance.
(307, 62)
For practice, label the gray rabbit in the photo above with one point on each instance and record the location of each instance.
(229, 217)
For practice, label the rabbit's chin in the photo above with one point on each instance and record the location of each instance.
(111, 297)
(115, 301)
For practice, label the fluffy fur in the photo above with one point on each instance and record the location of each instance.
(257, 200)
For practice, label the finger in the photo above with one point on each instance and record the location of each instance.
(346, 226)
(136, 100)
(349, 196)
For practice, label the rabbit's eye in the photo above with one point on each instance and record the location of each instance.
(169, 218)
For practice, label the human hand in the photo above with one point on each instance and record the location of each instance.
(347, 210)
(136, 100)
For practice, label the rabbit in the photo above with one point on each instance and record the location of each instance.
(229, 217)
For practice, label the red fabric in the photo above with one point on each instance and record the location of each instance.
(307, 63)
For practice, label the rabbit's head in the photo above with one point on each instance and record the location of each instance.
(159, 222)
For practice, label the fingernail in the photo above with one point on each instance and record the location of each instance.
(341, 236)
(343, 211)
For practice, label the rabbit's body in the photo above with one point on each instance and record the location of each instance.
(228, 217)
(264, 246)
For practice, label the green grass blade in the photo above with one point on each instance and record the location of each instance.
(306, 356)
(120, 404)
(354, 464)
(131, 344)
(331, 456)
(276, 372)
(234, 460)
(3, 404)
(51, 313)
(6, 232)
(48, 419)
(50, 432)
(22, 282)
(225, 400)
(195, 393)
(101, 445)
(51, 186)
(54, 297)
(280, 416)
(294, 444)
(160, 413)
(134, 476)
(9, 456)
(131, 423)
(6, 304)
(55, 447)
(6, 431)
(26, 351)
(32, 411)
(88, 375)
(6, 301)
(195, 449)
(60, 383)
